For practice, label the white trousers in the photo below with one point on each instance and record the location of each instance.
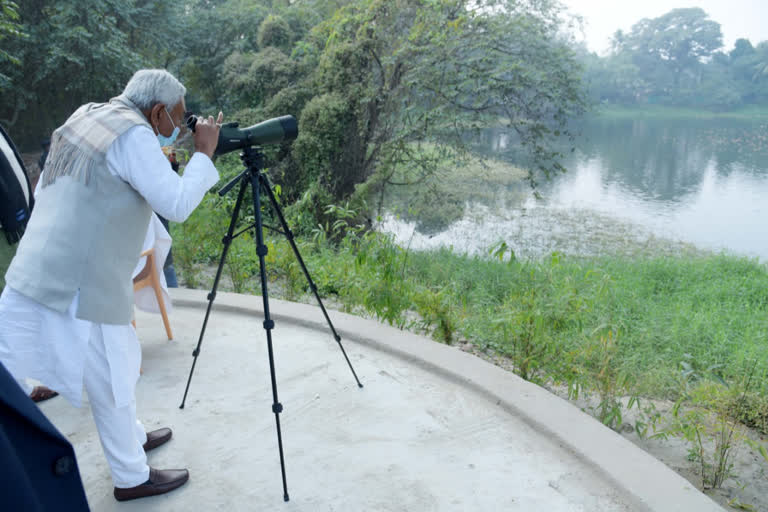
(121, 434)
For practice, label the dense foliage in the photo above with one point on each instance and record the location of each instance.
(679, 59)
(369, 80)
(68, 53)
(9, 28)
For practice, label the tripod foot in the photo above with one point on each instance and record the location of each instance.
(285, 497)
(359, 385)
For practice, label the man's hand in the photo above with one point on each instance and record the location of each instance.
(207, 134)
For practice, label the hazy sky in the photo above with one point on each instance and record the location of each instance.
(737, 18)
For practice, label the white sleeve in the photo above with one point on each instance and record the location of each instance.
(137, 158)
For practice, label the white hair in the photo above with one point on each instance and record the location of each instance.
(148, 87)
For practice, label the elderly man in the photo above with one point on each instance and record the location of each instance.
(66, 309)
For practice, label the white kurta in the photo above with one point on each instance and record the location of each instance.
(39, 343)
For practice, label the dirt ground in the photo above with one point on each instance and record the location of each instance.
(747, 487)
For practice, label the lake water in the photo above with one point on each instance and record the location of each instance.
(630, 183)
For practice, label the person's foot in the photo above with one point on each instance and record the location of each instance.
(42, 393)
(156, 438)
(160, 481)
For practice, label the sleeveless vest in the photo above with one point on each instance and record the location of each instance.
(88, 226)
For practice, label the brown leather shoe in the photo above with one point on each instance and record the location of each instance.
(160, 481)
(42, 393)
(156, 438)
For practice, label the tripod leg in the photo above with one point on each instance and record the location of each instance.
(227, 241)
(312, 286)
(269, 324)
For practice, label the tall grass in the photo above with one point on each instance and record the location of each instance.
(707, 312)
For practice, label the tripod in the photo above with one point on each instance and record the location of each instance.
(253, 158)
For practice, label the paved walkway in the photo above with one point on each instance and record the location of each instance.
(434, 428)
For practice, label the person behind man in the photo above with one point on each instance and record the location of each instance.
(169, 270)
(66, 310)
(15, 201)
(39, 471)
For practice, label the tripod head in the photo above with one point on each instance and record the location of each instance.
(253, 159)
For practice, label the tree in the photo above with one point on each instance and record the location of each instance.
(406, 82)
(757, 64)
(274, 31)
(681, 38)
(670, 49)
(741, 48)
(78, 51)
(215, 30)
(253, 78)
(9, 28)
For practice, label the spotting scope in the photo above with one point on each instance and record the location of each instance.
(232, 137)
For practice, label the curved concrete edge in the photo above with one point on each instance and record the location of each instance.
(648, 483)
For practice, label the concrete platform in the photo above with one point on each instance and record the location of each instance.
(433, 429)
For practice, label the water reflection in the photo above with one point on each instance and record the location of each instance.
(665, 160)
(653, 162)
(704, 182)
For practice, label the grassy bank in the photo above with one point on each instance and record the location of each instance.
(747, 113)
(551, 316)
(655, 324)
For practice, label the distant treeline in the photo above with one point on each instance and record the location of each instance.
(678, 59)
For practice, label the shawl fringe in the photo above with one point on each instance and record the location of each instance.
(67, 159)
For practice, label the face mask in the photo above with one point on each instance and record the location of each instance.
(167, 141)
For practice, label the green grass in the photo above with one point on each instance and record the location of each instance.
(746, 113)
(710, 310)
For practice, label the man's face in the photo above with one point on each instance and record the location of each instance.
(176, 114)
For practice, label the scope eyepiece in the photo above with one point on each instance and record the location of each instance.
(190, 119)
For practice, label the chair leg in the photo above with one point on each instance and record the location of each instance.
(161, 303)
